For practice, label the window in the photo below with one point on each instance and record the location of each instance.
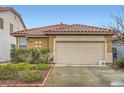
(15, 17)
(12, 46)
(38, 44)
(22, 46)
(11, 28)
(1, 23)
(22, 42)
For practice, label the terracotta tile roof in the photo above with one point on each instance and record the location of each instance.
(80, 28)
(3, 9)
(38, 31)
(62, 28)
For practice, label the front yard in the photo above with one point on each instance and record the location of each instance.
(28, 67)
(23, 74)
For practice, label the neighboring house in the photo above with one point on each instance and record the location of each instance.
(118, 44)
(70, 44)
(10, 21)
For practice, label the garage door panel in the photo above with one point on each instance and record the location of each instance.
(79, 52)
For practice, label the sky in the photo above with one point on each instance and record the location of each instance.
(37, 16)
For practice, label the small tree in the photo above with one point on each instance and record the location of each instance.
(117, 24)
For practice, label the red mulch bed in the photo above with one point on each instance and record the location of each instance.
(116, 68)
(15, 83)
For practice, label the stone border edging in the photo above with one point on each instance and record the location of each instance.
(47, 76)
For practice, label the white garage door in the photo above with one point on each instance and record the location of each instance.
(79, 52)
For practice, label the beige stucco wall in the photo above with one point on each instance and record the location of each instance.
(31, 42)
(108, 54)
(47, 42)
(17, 42)
(109, 44)
(51, 42)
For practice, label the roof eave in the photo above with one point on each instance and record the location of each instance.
(37, 36)
(17, 35)
(79, 33)
(64, 33)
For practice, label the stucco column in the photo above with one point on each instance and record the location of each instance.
(17, 42)
(108, 50)
(51, 43)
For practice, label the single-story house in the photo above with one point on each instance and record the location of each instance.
(70, 44)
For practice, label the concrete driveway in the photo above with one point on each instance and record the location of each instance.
(85, 76)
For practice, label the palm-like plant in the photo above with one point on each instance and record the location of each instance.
(34, 56)
(44, 55)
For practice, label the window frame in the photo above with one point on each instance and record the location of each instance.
(24, 44)
(1, 23)
(11, 27)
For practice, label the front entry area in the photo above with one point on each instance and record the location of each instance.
(79, 53)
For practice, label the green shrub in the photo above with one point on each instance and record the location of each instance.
(42, 66)
(23, 66)
(19, 55)
(35, 56)
(14, 55)
(45, 55)
(39, 56)
(7, 72)
(119, 62)
(31, 76)
(44, 50)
